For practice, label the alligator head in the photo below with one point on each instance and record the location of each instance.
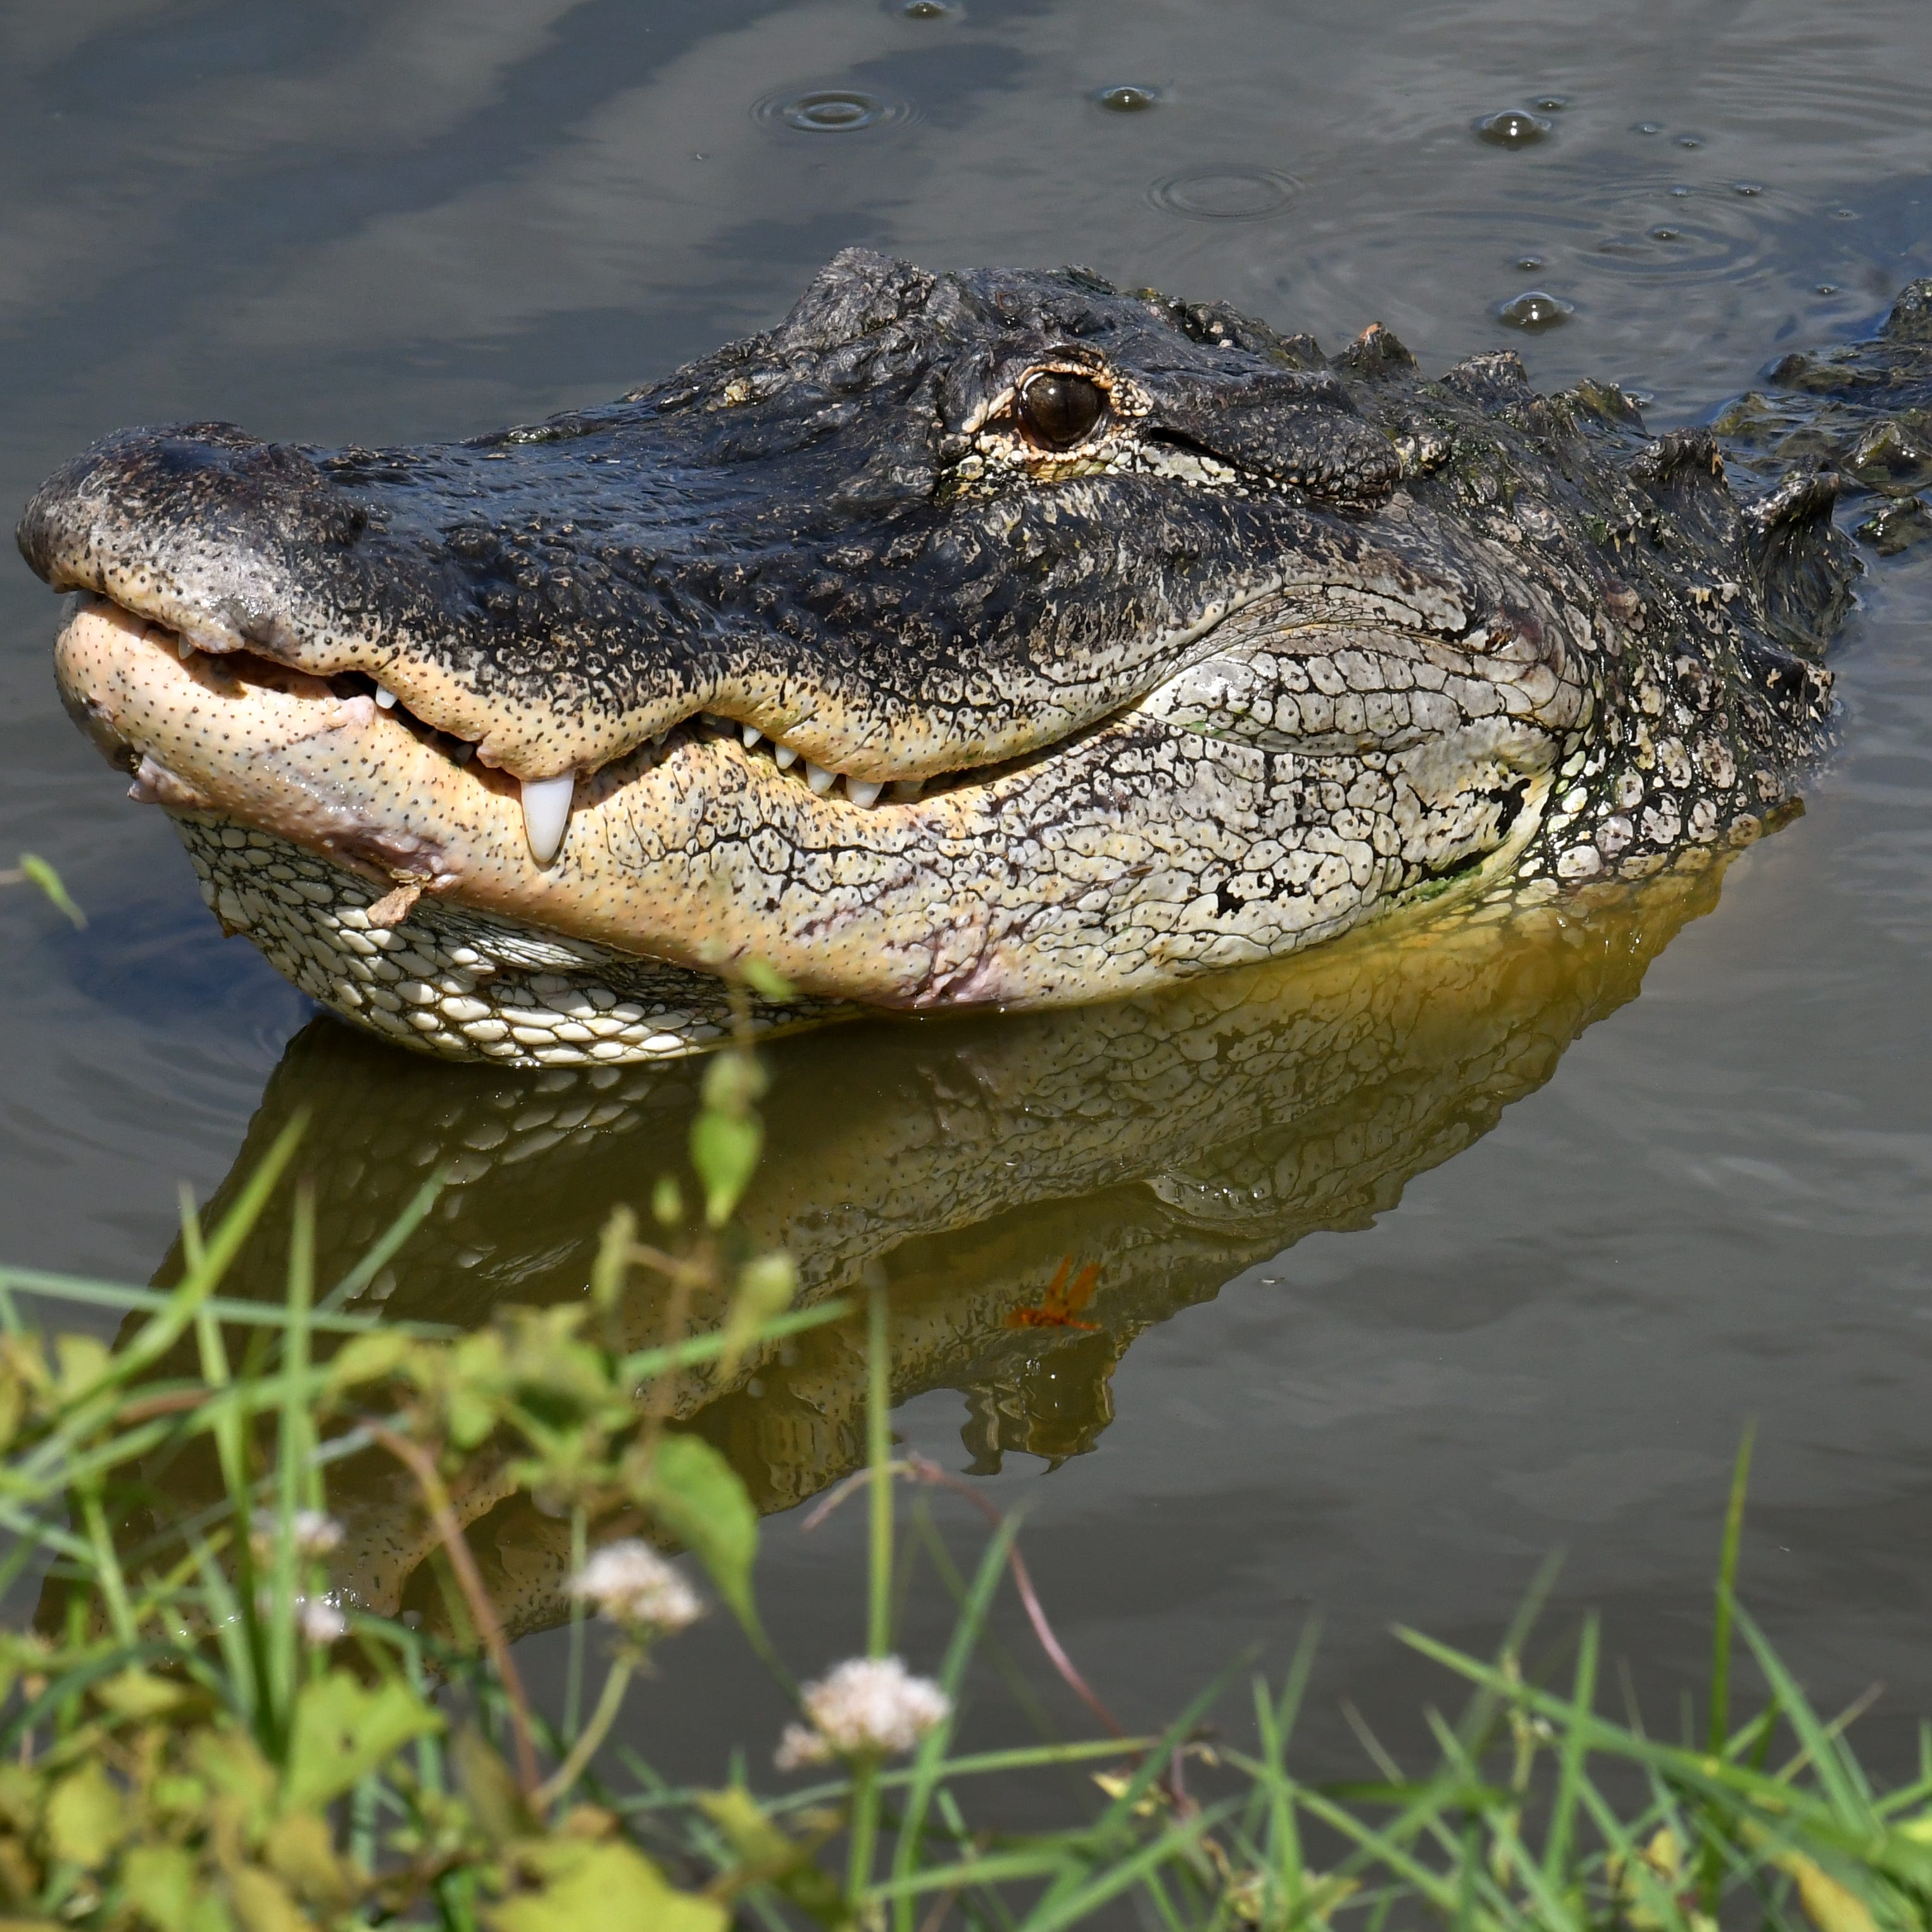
(986, 637)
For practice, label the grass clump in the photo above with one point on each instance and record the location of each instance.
(202, 1732)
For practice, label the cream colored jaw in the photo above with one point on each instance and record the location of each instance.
(638, 870)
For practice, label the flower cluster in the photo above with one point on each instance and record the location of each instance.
(630, 1583)
(316, 1534)
(322, 1622)
(867, 1706)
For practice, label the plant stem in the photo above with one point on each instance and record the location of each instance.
(592, 1735)
(864, 1830)
(879, 1455)
(573, 1681)
(1727, 1576)
(436, 1498)
(879, 1607)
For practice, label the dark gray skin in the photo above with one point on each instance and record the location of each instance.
(1278, 642)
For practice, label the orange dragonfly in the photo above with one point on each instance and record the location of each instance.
(1063, 1302)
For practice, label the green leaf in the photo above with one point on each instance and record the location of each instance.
(369, 1358)
(583, 1885)
(86, 1818)
(765, 980)
(299, 1849)
(263, 1903)
(164, 1879)
(488, 1787)
(1830, 1905)
(766, 1286)
(343, 1730)
(697, 1495)
(667, 1201)
(733, 1082)
(135, 1694)
(44, 875)
(767, 1855)
(230, 1763)
(725, 1150)
(81, 1360)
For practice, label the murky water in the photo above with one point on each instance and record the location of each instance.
(1417, 1259)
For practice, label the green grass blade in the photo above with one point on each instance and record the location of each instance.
(36, 870)
(1727, 1578)
(1570, 1776)
(387, 1246)
(1848, 1805)
(927, 1765)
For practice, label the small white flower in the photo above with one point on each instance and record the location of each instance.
(316, 1534)
(867, 1704)
(322, 1622)
(630, 1583)
(800, 1745)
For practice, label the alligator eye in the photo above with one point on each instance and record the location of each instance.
(1057, 410)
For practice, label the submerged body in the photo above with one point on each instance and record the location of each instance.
(986, 638)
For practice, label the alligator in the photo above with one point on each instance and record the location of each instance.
(1165, 1143)
(994, 638)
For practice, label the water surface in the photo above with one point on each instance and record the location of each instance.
(1416, 1261)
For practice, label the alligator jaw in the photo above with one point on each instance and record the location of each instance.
(697, 857)
(345, 777)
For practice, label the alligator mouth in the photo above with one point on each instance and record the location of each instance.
(632, 857)
(223, 667)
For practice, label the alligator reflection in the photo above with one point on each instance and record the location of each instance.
(1168, 1142)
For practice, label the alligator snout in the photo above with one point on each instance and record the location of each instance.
(198, 526)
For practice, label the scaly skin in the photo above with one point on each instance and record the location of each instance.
(1275, 646)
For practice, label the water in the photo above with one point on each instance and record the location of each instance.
(1410, 1303)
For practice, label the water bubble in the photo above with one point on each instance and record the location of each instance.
(1224, 194)
(1679, 191)
(1646, 127)
(1828, 288)
(1127, 98)
(923, 10)
(1844, 214)
(1513, 128)
(828, 110)
(1535, 310)
(1690, 140)
(1666, 234)
(1529, 264)
(1551, 103)
(1747, 188)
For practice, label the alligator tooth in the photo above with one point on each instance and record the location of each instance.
(385, 698)
(750, 734)
(819, 779)
(783, 756)
(905, 790)
(862, 791)
(546, 815)
(657, 743)
(185, 648)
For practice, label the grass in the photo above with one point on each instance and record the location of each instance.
(198, 1735)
